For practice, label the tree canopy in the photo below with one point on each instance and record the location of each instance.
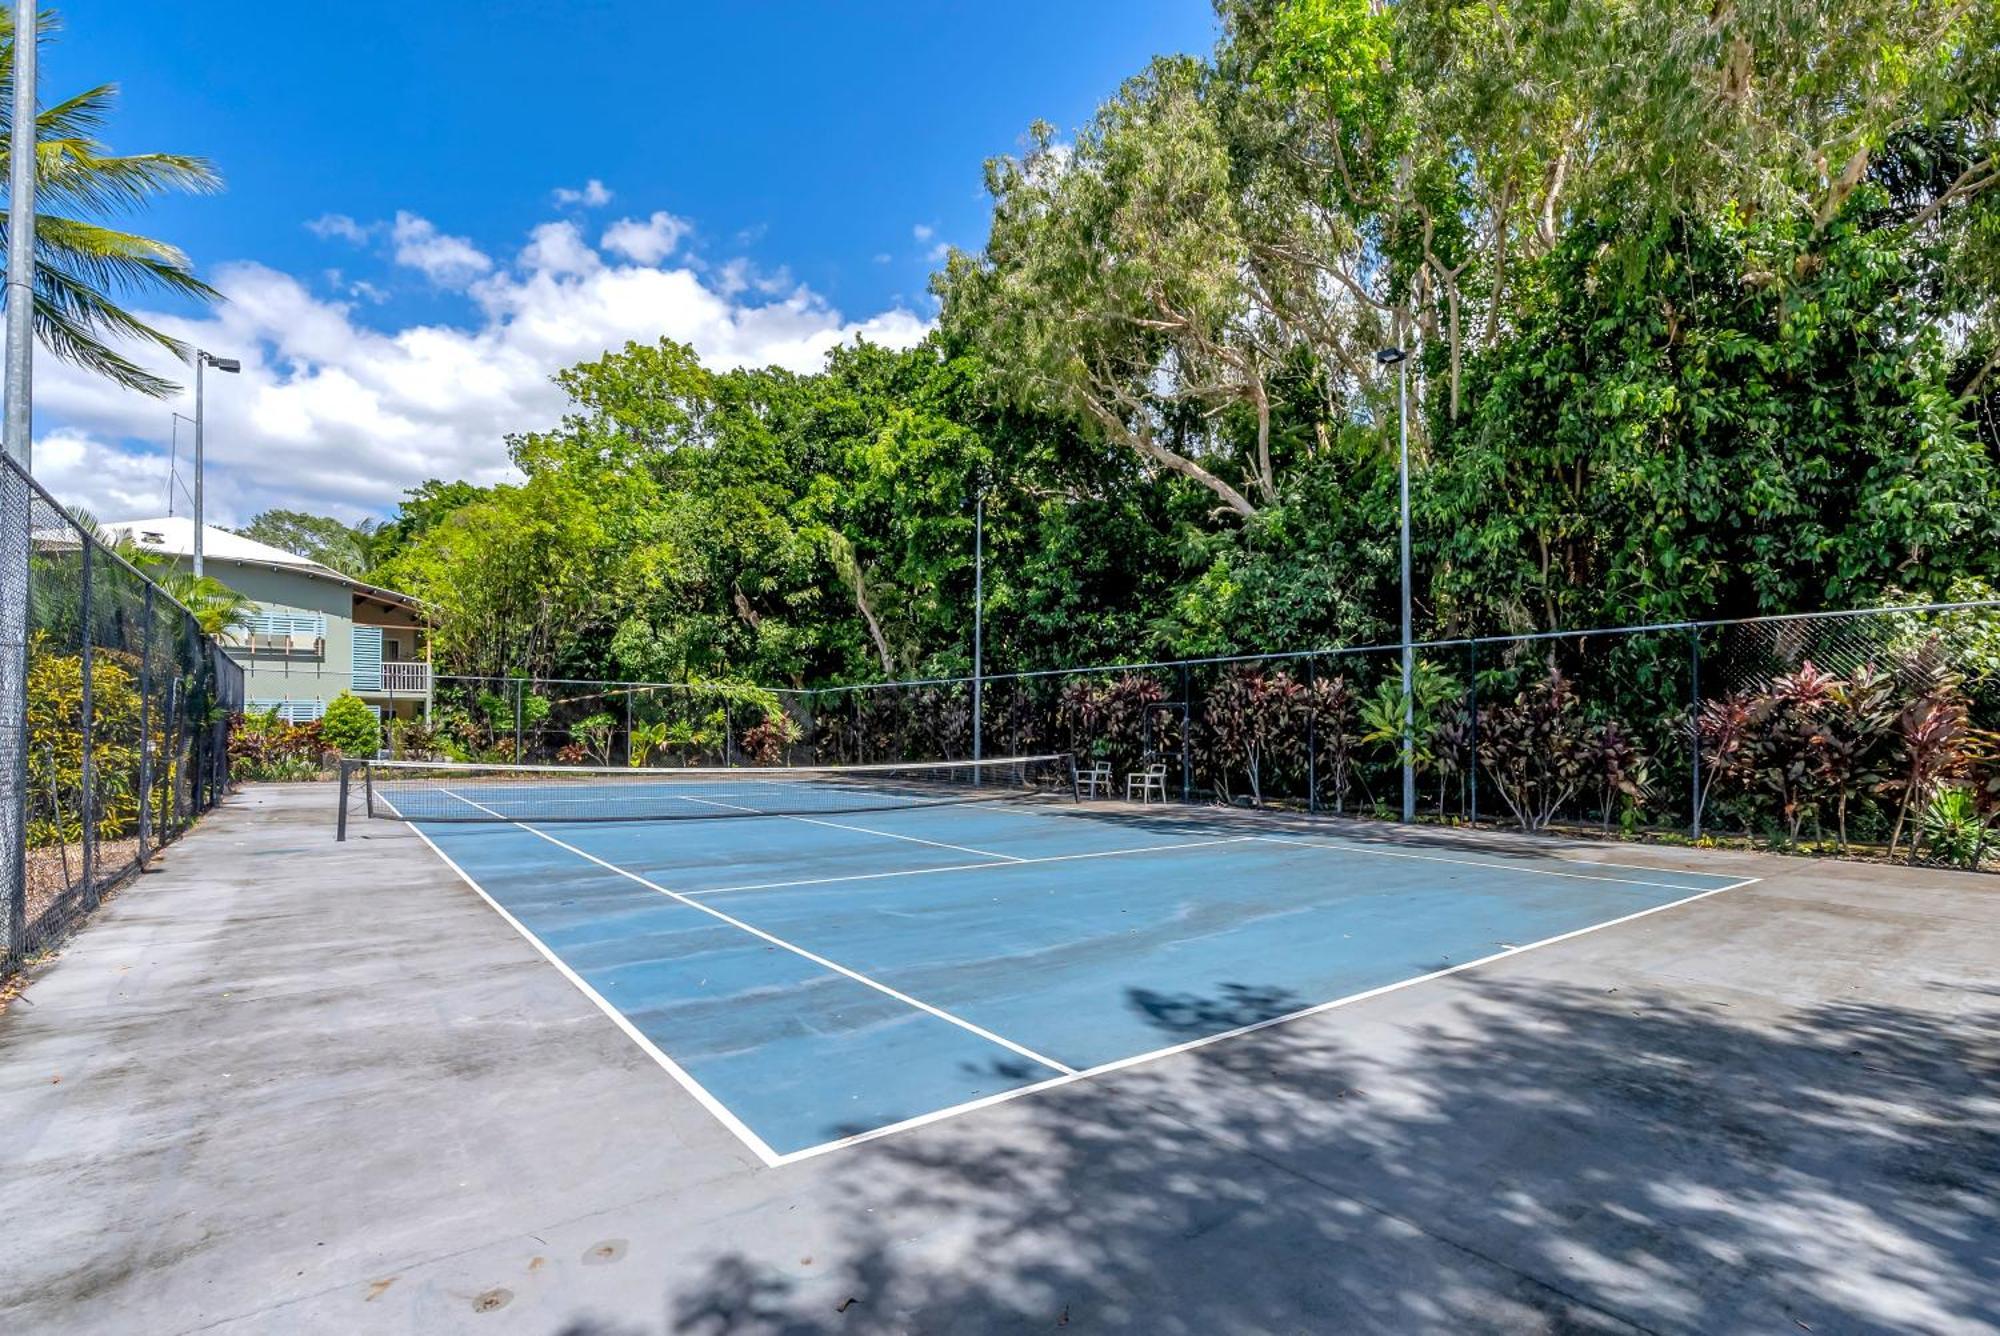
(1700, 302)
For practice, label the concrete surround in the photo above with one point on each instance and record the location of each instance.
(280, 1085)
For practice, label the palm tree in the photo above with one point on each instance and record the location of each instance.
(83, 267)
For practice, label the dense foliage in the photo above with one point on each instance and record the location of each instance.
(1701, 307)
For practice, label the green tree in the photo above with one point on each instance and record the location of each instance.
(350, 726)
(344, 547)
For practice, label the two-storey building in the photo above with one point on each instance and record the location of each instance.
(315, 632)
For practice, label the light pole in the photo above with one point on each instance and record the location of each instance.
(15, 521)
(1398, 358)
(978, 614)
(21, 244)
(231, 365)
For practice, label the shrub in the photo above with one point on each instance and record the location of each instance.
(416, 740)
(765, 743)
(594, 733)
(1250, 716)
(1329, 706)
(55, 805)
(350, 727)
(1617, 767)
(1789, 741)
(1855, 741)
(265, 747)
(1955, 829)
(1536, 748)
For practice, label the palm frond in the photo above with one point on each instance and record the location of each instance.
(78, 174)
(76, 342)
(111, 259)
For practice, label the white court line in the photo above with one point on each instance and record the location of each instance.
(681, 1077)
(1480, 862)
(1120, 1064)
(841, 825)
(780, 942)
(972, 867)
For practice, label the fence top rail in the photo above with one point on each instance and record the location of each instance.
(1384, 647)
(90, 540)
(1218, 660)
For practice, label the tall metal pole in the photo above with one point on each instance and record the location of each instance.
(978, 615)
(199, 518)
(1409, 700)
(16, 500)
(21, 243)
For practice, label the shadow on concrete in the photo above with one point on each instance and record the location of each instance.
(1558, 1160)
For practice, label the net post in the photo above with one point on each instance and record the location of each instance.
(1694, 731)
(1075, 786)
(340, 821)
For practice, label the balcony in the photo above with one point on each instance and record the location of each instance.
(374, 675)
(406, 679)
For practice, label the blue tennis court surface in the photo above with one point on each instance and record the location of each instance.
(814, 980)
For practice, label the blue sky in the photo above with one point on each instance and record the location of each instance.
(403, 273)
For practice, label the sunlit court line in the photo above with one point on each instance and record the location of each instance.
(1480, 862)
(973, 867)
(781, 943)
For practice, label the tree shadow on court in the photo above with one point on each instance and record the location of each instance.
(1522, 1158)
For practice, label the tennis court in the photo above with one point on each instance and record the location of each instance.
(870, 951)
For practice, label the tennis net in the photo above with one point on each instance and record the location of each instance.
(462, 791)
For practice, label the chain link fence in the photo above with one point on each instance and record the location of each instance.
(114, 710)
(1842, 728)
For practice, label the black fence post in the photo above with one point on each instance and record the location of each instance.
(1694, 731)
(517, 721)
(1187, 731)
(1312, 742)
(146, 725)
(630, 759)
(1472, 731)
(87, 800)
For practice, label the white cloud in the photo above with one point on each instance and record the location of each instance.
(332, 225)
(923, 231)
(938, 253)
(647, 241)
(83, 471)
(559, 248)
(594, 194)
(447, 261)
(334, 416)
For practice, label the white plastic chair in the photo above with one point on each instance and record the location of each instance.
(1091, 778)
(1145, 783)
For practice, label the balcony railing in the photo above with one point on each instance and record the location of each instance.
(406, 678)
